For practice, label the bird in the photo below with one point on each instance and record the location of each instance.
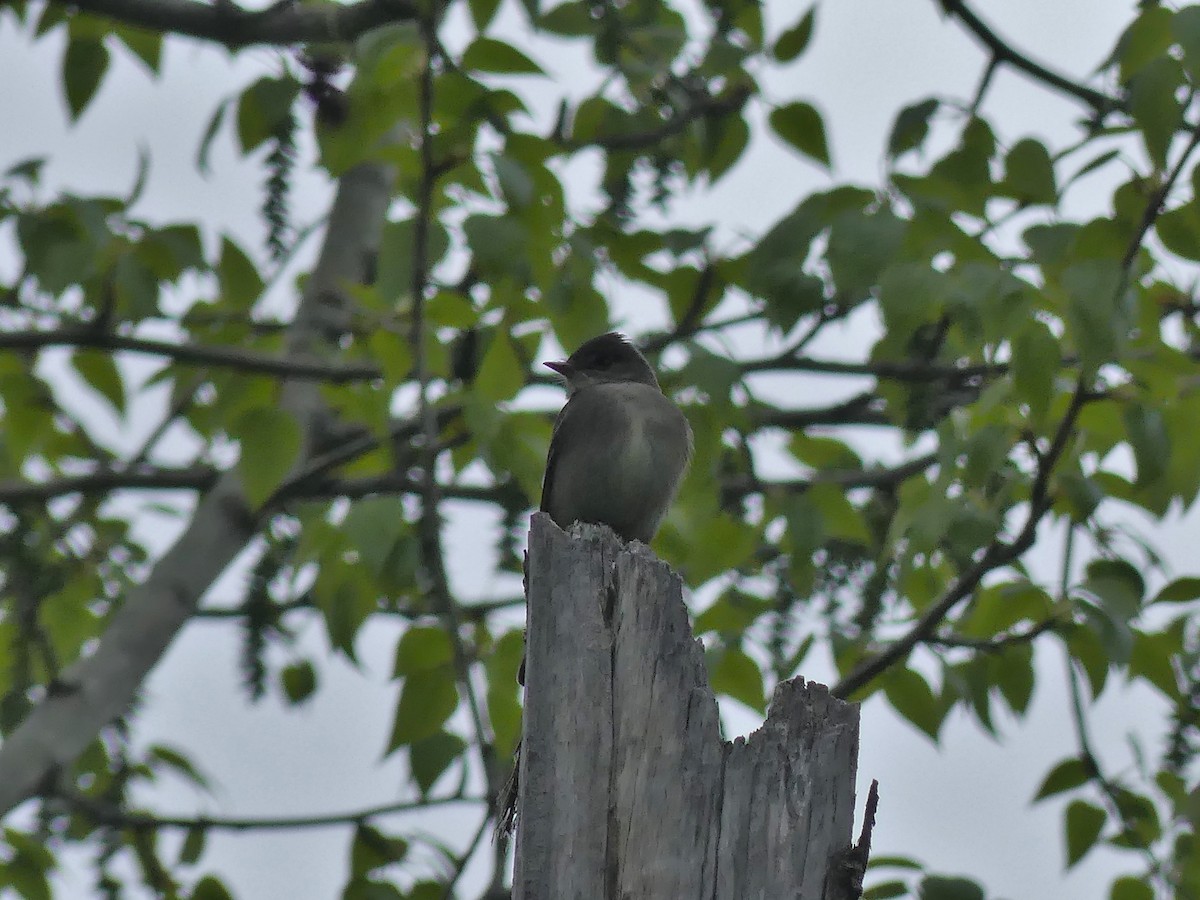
(620, 447)
(618, 452)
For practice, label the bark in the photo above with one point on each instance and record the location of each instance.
(96, 689)
(627, 789)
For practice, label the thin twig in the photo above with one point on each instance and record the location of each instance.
(429, 525)
(282, 24)
(189, 354)
(1003, 52)
(997, 645)
(999, 553)
(107, 814)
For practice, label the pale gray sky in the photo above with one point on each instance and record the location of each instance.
(962, 806)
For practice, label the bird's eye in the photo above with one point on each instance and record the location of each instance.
(604, 362)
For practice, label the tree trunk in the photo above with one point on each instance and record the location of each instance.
(626, 788)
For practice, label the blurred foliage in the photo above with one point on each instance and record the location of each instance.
(1038, 371)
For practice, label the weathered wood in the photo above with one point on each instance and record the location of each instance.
(626, 789)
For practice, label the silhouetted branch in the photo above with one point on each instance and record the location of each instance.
(743, 485)
(197, 478)
(1004, 53)
(114, 816)
(282, 23)
(996, 555)
(189, 354)
(995, 645)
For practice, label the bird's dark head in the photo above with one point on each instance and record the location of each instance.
(607, 358)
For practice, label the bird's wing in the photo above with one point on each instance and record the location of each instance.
(594, 410)
(563, 426)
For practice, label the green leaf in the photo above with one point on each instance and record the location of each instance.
(1179, 230)
(421, 649)
(490, 55)
(502, 665)
(1117, 585)
(800, 125)
(885, 890)
(483, 11)
(1084, 822)
(1035, 362)
(794, 41)
(910, 295)
(1185, 26)
(375, 527)
(84, 65)
(162, 755)
(368, 889)
(346, 598)
(515, 184)
(100, 371)
(911, 127)
(1155, 107)
(732, 613)
(1096, 312)
(1065, 776)
(27, 170)
(860, 246)
(1146, 39)
(1012, 673)
(429, 758)
(427, 700)
(210, 133)
(894, 862)
(270, 445)
(501, 373)
(736, 675)
(823, 452)
(1150, 442)
(263, 110)
(393, 278)
(372, 849)
(945, 887)
(1152, 658)
(1181, 590)
(571, 19)
(910, 695)
(193, 846)
(1129, 888)
(299, 681)
(143, 43)
(500, 245)
(241, 283)
(210, 888)
(1029, 173)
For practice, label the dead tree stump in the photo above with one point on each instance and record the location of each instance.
(626, 789)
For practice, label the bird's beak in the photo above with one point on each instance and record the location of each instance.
(562, 368)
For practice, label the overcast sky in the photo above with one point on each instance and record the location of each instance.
(960, 807)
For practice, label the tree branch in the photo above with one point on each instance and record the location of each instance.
(1004, 53)
(197, 478)
(640, 140)
(995, 645)
(997, 554)
(743, 485)
(281, 23)
(114, 816)
(898, 370)
(97, 688)
(189, 354)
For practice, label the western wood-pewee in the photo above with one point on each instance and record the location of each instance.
(620, 447)
(619, 450)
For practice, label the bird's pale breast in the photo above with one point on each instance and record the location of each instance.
(626, 475)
